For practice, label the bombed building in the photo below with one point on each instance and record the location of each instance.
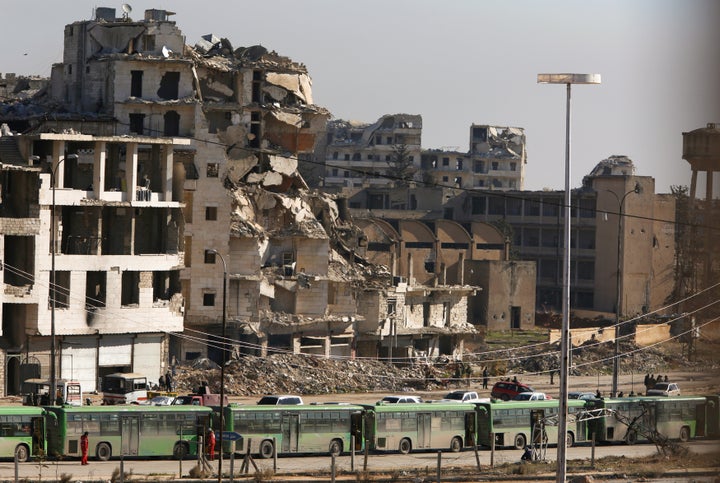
(156, 187)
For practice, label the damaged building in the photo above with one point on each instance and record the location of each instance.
(360, 157)
(74, 217)
(178, 165)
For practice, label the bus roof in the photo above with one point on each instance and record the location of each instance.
(130, 408)
(547, 403)
(420, 407)
(293, 407)
(127, 375)
(620, 400)
(15, 410)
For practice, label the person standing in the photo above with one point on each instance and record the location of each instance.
(84, 445)
(169, 381)
(485, 377)
(211, 445)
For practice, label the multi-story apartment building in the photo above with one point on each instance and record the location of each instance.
(75, 213)
(361, 155)
(495, 160)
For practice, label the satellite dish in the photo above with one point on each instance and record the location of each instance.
(166, 52)
(126, 8)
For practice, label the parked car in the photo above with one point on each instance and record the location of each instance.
(581, 395)
(462, 396)
(664, 389)
(275, 400)
(400, 399)
(506, 390)
(531, 396)
(159, 401)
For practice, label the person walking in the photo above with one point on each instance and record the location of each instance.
(211, 445)
(84, 445)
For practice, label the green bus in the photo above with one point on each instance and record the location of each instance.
(675, 417)
(420, 426)
(512, 423)
(22, 432)
(301, 429)
(133, 430)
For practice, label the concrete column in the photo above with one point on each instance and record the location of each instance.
(326, 346)
(410, 268)
(99, 169)
(114, 289)
(461, 268)
(131, 175)
(166, 171)
(58, 155)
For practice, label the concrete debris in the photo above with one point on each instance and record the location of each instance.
(297, 374)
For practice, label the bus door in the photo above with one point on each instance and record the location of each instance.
(537, 426)
(289, 433)
(130, 435)
(483, 425)
(712, 417)
(38, 435)
(356, 429)
(470, 429)
(700, 420)
(424, 430)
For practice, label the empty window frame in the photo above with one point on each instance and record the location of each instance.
(136, 78)
(212, 170)
(211, 213)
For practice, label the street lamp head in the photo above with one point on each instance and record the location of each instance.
(568, 79)
(71, 156)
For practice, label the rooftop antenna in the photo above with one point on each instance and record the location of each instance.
(126, 10)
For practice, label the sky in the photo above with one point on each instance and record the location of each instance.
(459, 62)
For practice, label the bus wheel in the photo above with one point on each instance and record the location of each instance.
(22, 453)
(684, 434)
(103, 452)
(519, 442)
(266, 449)
(405, 446)
(336, 447)
(631, 437)
(456, 445)
(180, 451)
(569, 440)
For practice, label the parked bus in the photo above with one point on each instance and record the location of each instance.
(22, 432)
(137, 431)
(512, 423)
(675, 417)
(313, 428)
(36, 392)
(420, 426)
(124, 388)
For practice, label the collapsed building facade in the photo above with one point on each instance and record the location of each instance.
(176, 166)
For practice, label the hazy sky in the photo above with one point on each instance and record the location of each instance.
(462, 62)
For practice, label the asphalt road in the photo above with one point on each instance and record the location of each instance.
(156, 470)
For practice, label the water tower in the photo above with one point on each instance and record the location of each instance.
(701, 148)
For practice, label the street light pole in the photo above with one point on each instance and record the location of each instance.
(53, 288)
(618, 285)
(222, 367)
(568, 80)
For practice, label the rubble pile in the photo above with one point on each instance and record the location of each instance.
(300, 374)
